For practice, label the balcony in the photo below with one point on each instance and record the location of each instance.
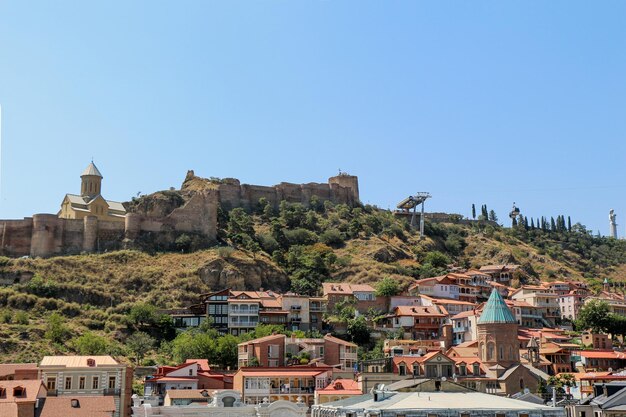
(296, 308)
(112, 391)
(295, 319)
(317, 308)
(306, 390)
(460, 329)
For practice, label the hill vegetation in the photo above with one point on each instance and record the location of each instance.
(109, 302)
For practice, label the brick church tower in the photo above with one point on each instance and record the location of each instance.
(498, 347)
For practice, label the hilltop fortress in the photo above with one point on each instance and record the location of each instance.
(90, 223)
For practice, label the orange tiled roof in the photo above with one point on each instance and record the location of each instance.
(100, 406)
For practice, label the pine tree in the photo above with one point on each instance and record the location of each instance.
(492, 216)
(473, 211)
(569, 224)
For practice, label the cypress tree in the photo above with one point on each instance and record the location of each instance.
(552, 224)
(473, 211)
(569, 224)
(532, 223)
(526, 223)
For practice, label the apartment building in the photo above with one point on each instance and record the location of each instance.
(88, 376)
(298, 313)
(363, 295)
(538, 296)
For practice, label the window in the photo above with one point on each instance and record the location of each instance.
(51, 383)
(19, 392)
(191, 372)
(81, 382)
(111, 382)
(402, 369)
(476, 370)
(68, 382)
(95, 382)
(3, 392)
(91, 362)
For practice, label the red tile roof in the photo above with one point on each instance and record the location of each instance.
(342, 386)
(101, 406)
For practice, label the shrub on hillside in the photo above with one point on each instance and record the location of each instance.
(332, 237)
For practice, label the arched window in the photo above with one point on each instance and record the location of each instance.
(521, 383)
(511, 353)
(90, 185)
(490, 351)
(501, 352)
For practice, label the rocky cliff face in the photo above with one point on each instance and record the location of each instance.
(243, 274)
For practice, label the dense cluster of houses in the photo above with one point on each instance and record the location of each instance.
(467, 332)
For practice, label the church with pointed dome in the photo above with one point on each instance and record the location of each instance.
(90, 202)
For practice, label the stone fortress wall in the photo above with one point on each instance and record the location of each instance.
(44, 235)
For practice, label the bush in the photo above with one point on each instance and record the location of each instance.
(268, 243)
(21, 317)
(300, 236)
(225, 252)
(332, 237)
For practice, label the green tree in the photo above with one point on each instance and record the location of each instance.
(559, 382)
(569, 224)
(594, 316)
(139, 343)
(142, 314)
(387, 287)
(226, 351)
(473, 211)
(358, 330)
(492, 216)
(56, 329)
(240, 226)
(90, 344)
(437, 259)
(195, 345)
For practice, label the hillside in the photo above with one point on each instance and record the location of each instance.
(290, 249)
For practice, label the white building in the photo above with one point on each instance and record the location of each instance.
(433, 404)
(224, 403)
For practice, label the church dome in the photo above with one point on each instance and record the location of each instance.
(496, 310)
(91, 170)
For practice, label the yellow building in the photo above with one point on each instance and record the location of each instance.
(90, 202)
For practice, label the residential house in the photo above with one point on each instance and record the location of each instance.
(268, 351)
(452, 307)
(462, 327)
(362, 295)
(12, 371)
(71, 376)
(317, 308)
(606, 400)
(539, 297)
(279, 350)
(420, 323)
(339, 389)
(246, 309)
(281, 383)
(216, 307)
(21, 398)
(500, 273)
(78, 406)
(194, 374)
(440, 287)
(175, 397)
(597, 360)
(297, 306)
(596, 341)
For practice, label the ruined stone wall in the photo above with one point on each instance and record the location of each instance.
(15, 237)
(342, 189)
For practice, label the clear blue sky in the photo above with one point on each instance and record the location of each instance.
(477, 102)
